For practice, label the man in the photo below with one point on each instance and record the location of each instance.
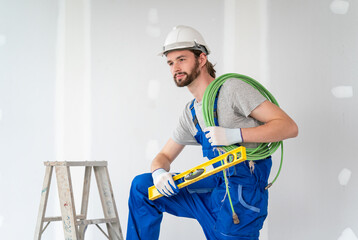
(245, 117)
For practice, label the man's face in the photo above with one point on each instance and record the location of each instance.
(184, 67)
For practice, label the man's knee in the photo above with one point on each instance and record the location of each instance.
(141, 183)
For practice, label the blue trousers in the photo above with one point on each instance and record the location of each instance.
(210, 208)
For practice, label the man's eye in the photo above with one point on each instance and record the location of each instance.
(170, 64)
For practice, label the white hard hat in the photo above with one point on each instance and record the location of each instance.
(184, 37)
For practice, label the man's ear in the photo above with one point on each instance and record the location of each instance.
(202, 59)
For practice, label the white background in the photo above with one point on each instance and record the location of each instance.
(81, 80)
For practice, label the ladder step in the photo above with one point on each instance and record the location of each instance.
(97, 221)
(54, 219)
(77, 163)
(82, 220)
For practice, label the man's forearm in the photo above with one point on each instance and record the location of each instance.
(160, 161)
(167, 155)
(273, 131)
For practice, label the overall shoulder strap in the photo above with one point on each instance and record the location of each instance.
(216, 121)
(193, 113)
(194, 118)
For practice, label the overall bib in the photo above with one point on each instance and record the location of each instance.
(205, 200)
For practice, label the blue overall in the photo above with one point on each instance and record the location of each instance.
(205, 200)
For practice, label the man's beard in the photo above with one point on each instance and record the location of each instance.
(188, 78)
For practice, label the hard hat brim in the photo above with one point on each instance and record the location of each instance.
(184, 46)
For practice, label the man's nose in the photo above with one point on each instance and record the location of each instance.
(176, 67)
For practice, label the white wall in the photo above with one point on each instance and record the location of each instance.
(81, 80)
(27, 88)
(306, 54)
(312, 50)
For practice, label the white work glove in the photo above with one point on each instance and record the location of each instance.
(219, 136)
(164, 182)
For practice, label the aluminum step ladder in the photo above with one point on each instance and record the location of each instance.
(75, 226)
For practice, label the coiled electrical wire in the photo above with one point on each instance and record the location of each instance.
(264, 150)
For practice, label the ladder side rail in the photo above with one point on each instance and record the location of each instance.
(43, 202)
(68, 210)
(108, 203)
(85, 198)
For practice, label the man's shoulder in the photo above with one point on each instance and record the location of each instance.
(188, 104)
(186, 109)
(232, 84)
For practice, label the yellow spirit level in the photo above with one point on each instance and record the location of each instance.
(199, 172)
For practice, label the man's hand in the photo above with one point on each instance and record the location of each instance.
(219, 136)
(164, 182)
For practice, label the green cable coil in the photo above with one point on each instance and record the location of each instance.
(264, 150)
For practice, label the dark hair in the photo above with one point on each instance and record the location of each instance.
(209, 65)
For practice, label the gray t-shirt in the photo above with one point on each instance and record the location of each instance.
(237, 99)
